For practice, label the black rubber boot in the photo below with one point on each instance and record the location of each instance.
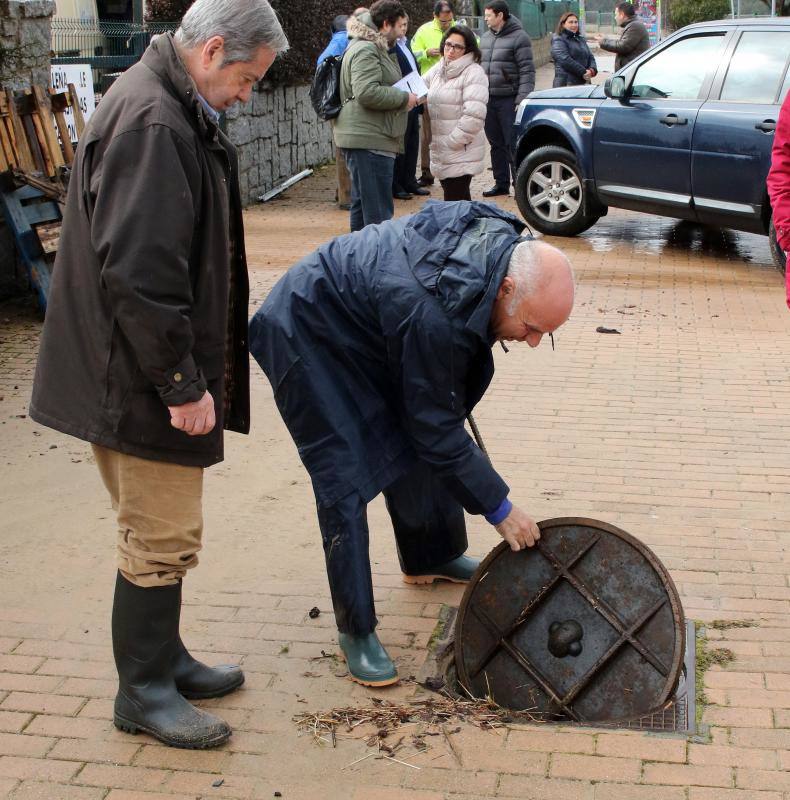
(144, 638)
(197, 681)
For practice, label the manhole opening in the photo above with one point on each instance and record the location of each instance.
(678, 715)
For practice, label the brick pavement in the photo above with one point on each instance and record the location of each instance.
(675, 430)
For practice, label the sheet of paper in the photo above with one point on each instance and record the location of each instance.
(413, 83)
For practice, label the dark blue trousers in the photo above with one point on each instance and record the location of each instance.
(405, 175)
(430, 530)
(500, 117)
(371, 187)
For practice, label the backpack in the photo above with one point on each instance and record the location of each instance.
(325, 88)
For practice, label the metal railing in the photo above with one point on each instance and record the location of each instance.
(599, 22)
(540, 19)
(537, 22)
(109, 47)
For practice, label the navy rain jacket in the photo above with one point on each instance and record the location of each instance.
(377, 347)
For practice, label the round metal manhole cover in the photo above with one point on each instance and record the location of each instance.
(587, 625)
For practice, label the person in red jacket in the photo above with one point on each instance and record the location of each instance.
(779, 183)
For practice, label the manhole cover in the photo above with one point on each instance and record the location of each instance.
(585, 626)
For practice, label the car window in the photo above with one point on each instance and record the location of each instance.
(679, 71)
(757, 67)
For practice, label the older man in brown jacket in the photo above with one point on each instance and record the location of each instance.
(144, 350)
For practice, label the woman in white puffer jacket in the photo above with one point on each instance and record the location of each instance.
(457, 102)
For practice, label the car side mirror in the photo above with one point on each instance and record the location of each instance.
(615, 87)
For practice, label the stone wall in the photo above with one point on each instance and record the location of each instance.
(277, 134)
(25, 42)
(24, 59)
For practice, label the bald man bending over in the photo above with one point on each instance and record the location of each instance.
(377, 346)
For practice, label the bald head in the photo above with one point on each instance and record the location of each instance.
(536, 295)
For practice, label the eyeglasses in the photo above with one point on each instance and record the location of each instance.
(507, 349)
(451, 46)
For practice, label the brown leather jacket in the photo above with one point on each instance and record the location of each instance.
(148, 302)
(632, 42)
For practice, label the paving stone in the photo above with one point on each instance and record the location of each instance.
(40, 769)
(685, 775)
(14, 721)
(595, 768)
(645, 747)
(530, 788)
(36, 790)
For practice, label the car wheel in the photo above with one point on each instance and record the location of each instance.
(778, 255)
(550, 192)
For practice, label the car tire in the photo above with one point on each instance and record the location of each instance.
(550, 192)
(778, 255)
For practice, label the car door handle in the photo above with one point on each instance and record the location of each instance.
(673, 119)
(766, 126)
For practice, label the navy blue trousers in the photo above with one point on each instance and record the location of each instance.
(500, 117)
(405, 176)
(429, 530)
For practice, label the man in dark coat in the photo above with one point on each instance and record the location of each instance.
(144, 348)
(507, 61)
(633, 40)
(377, 346)
(404, 179)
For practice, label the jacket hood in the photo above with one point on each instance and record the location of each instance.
(362, 27)
(511, 24)
(460, 252)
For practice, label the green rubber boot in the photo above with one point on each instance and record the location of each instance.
(367, 660)
(459, 570)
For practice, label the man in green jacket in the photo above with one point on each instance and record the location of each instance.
(372, 122)
(425, 45)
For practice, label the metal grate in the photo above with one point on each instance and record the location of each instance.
(680, 714)
(677, 716)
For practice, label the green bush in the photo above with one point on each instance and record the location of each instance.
(307, 25)
(684, 12)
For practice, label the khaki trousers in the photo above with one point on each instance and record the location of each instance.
(160, 516)
(343, 176)
(425, 144)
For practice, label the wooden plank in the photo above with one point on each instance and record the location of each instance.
(43, 119)
(36, 213)
(31, 136)
(49, 236)
(59, 102)
(8, 156)
(7, 147)
(65, 137)
(28, 244)
(19, 222)
(79, 120)
(24, 154)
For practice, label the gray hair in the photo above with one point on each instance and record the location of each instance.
(244, 25)
(527, 272)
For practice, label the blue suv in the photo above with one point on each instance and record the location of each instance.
(683, 131)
